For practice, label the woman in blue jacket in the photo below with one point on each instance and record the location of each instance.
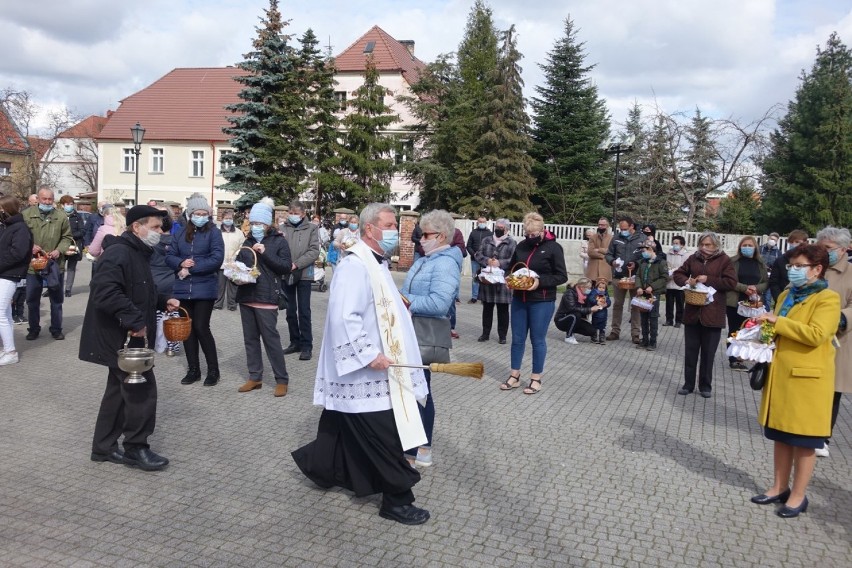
(196, 254)
(430, 287)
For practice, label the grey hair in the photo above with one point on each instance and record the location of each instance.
(298, 205)
(836, 235)
(441, 221)
(502, 221)
(370, 214)
(713, 237)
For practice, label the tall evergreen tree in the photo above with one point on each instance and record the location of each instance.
(737, 211)
(500, 181)
(807, 173)
(701, 170)
(249, 168)
(571, 121)
(366, 158)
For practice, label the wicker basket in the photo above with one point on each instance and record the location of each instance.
(238, 275)
(642, 304)
(39, 261)
(694, 297)
(177, 329)
(514, 282)
(626, 283)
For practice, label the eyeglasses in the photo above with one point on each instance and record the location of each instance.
(789, 266)
(427, 234)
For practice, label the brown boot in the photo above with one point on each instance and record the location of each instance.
(280, 389)
(250, 386)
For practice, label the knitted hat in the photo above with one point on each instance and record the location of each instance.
(261, 212)
(601, 279)
(194, 202)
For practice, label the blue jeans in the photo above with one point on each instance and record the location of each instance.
(474, 281)
(535, 318)
(35, 285)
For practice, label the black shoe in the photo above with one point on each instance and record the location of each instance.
(292, 348)
(232, 309)
(739, 366)
(32, 335)
(193, 374)
(45, 294)
(305, 355)
(667, 324)
(212, 378)
(764, 499)
(144, 459)
(786, 512)
(483, 338)
(67, 293)
(677, 324)
(705, 394)
(684, 391)
(215, 307)
(472, 301)
(115, 456)
(58, 336)
(651, 347)
(405, 514)
(502, 341)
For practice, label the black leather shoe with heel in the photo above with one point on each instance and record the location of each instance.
(764, 499)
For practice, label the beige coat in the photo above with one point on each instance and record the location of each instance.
(839, 279)
(597, 267)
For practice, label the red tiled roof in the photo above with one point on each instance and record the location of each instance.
(388, 55)
(87, 128)
(11, 139)
(185, 104)
(40, 146)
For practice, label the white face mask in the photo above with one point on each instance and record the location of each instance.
(429, 245)
(151, 238)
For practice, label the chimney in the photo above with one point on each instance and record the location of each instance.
(409, 45)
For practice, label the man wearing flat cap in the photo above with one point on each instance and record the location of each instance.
(122, 304)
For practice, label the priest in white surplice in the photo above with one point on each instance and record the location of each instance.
(370, 411)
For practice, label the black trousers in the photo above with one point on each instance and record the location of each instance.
(125, 409)
(649, 322)
(674, 306)
(502, 318)
(835, 408)
(700, 345)
(575, 325)
(201, 335)
(299, 314)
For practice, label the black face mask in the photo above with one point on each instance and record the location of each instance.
(499, 233)
(533, 240)
(601, 231)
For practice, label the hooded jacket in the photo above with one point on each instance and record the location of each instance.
(207, 249)
(16, 248)
(547, 259)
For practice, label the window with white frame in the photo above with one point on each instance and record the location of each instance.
(129, 162)
(197, 163)
(223, 165)
(157, 160)
(340, 99)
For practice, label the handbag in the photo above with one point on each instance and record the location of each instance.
(294, 277)
(433, 338)
(757, 376)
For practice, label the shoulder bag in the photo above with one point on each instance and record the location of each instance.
(433, 338)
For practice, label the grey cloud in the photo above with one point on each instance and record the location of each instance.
(79, 21)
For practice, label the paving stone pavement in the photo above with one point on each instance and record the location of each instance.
(607, 466)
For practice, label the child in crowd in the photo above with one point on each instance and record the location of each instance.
(599, 296)
(651, 278)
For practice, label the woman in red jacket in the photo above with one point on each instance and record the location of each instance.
(703, 324)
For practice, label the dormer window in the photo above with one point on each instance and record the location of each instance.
(369, 47)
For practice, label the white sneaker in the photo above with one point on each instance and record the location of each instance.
(8, 358)
(424, 457)
(822, 452)
(570, 339)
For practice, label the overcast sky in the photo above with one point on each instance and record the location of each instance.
(732, 58)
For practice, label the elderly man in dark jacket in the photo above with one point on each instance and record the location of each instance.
(303, 240)
(474, 241)
(623, 255)
(122, 304)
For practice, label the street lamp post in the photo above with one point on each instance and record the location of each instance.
(138, 133)
(618, 146)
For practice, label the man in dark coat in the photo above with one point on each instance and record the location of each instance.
(474, 242)
(122, 305)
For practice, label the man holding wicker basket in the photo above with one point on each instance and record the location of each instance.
(623, 255)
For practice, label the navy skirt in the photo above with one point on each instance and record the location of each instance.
(813, 442)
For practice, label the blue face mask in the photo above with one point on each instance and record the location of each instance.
(353, 226)
(199, 220)
(676, 248)
(294, 219)
(68, 208)
(798, 277)
(747, 252)
(625, 233)
(791, 246)
(227, 222)
(481, 225)
(45, 208)
(646, 255)
(390, 240)
(833, 256)
(258, 233)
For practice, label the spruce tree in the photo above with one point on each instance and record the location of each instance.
(571, 121)
(366, 158)
(248, 166)
(499, 176)
(807, 173)
(701, 171)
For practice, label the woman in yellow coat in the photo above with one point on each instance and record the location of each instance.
(795, 410)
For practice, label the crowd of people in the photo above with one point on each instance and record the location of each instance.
(150, 261)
